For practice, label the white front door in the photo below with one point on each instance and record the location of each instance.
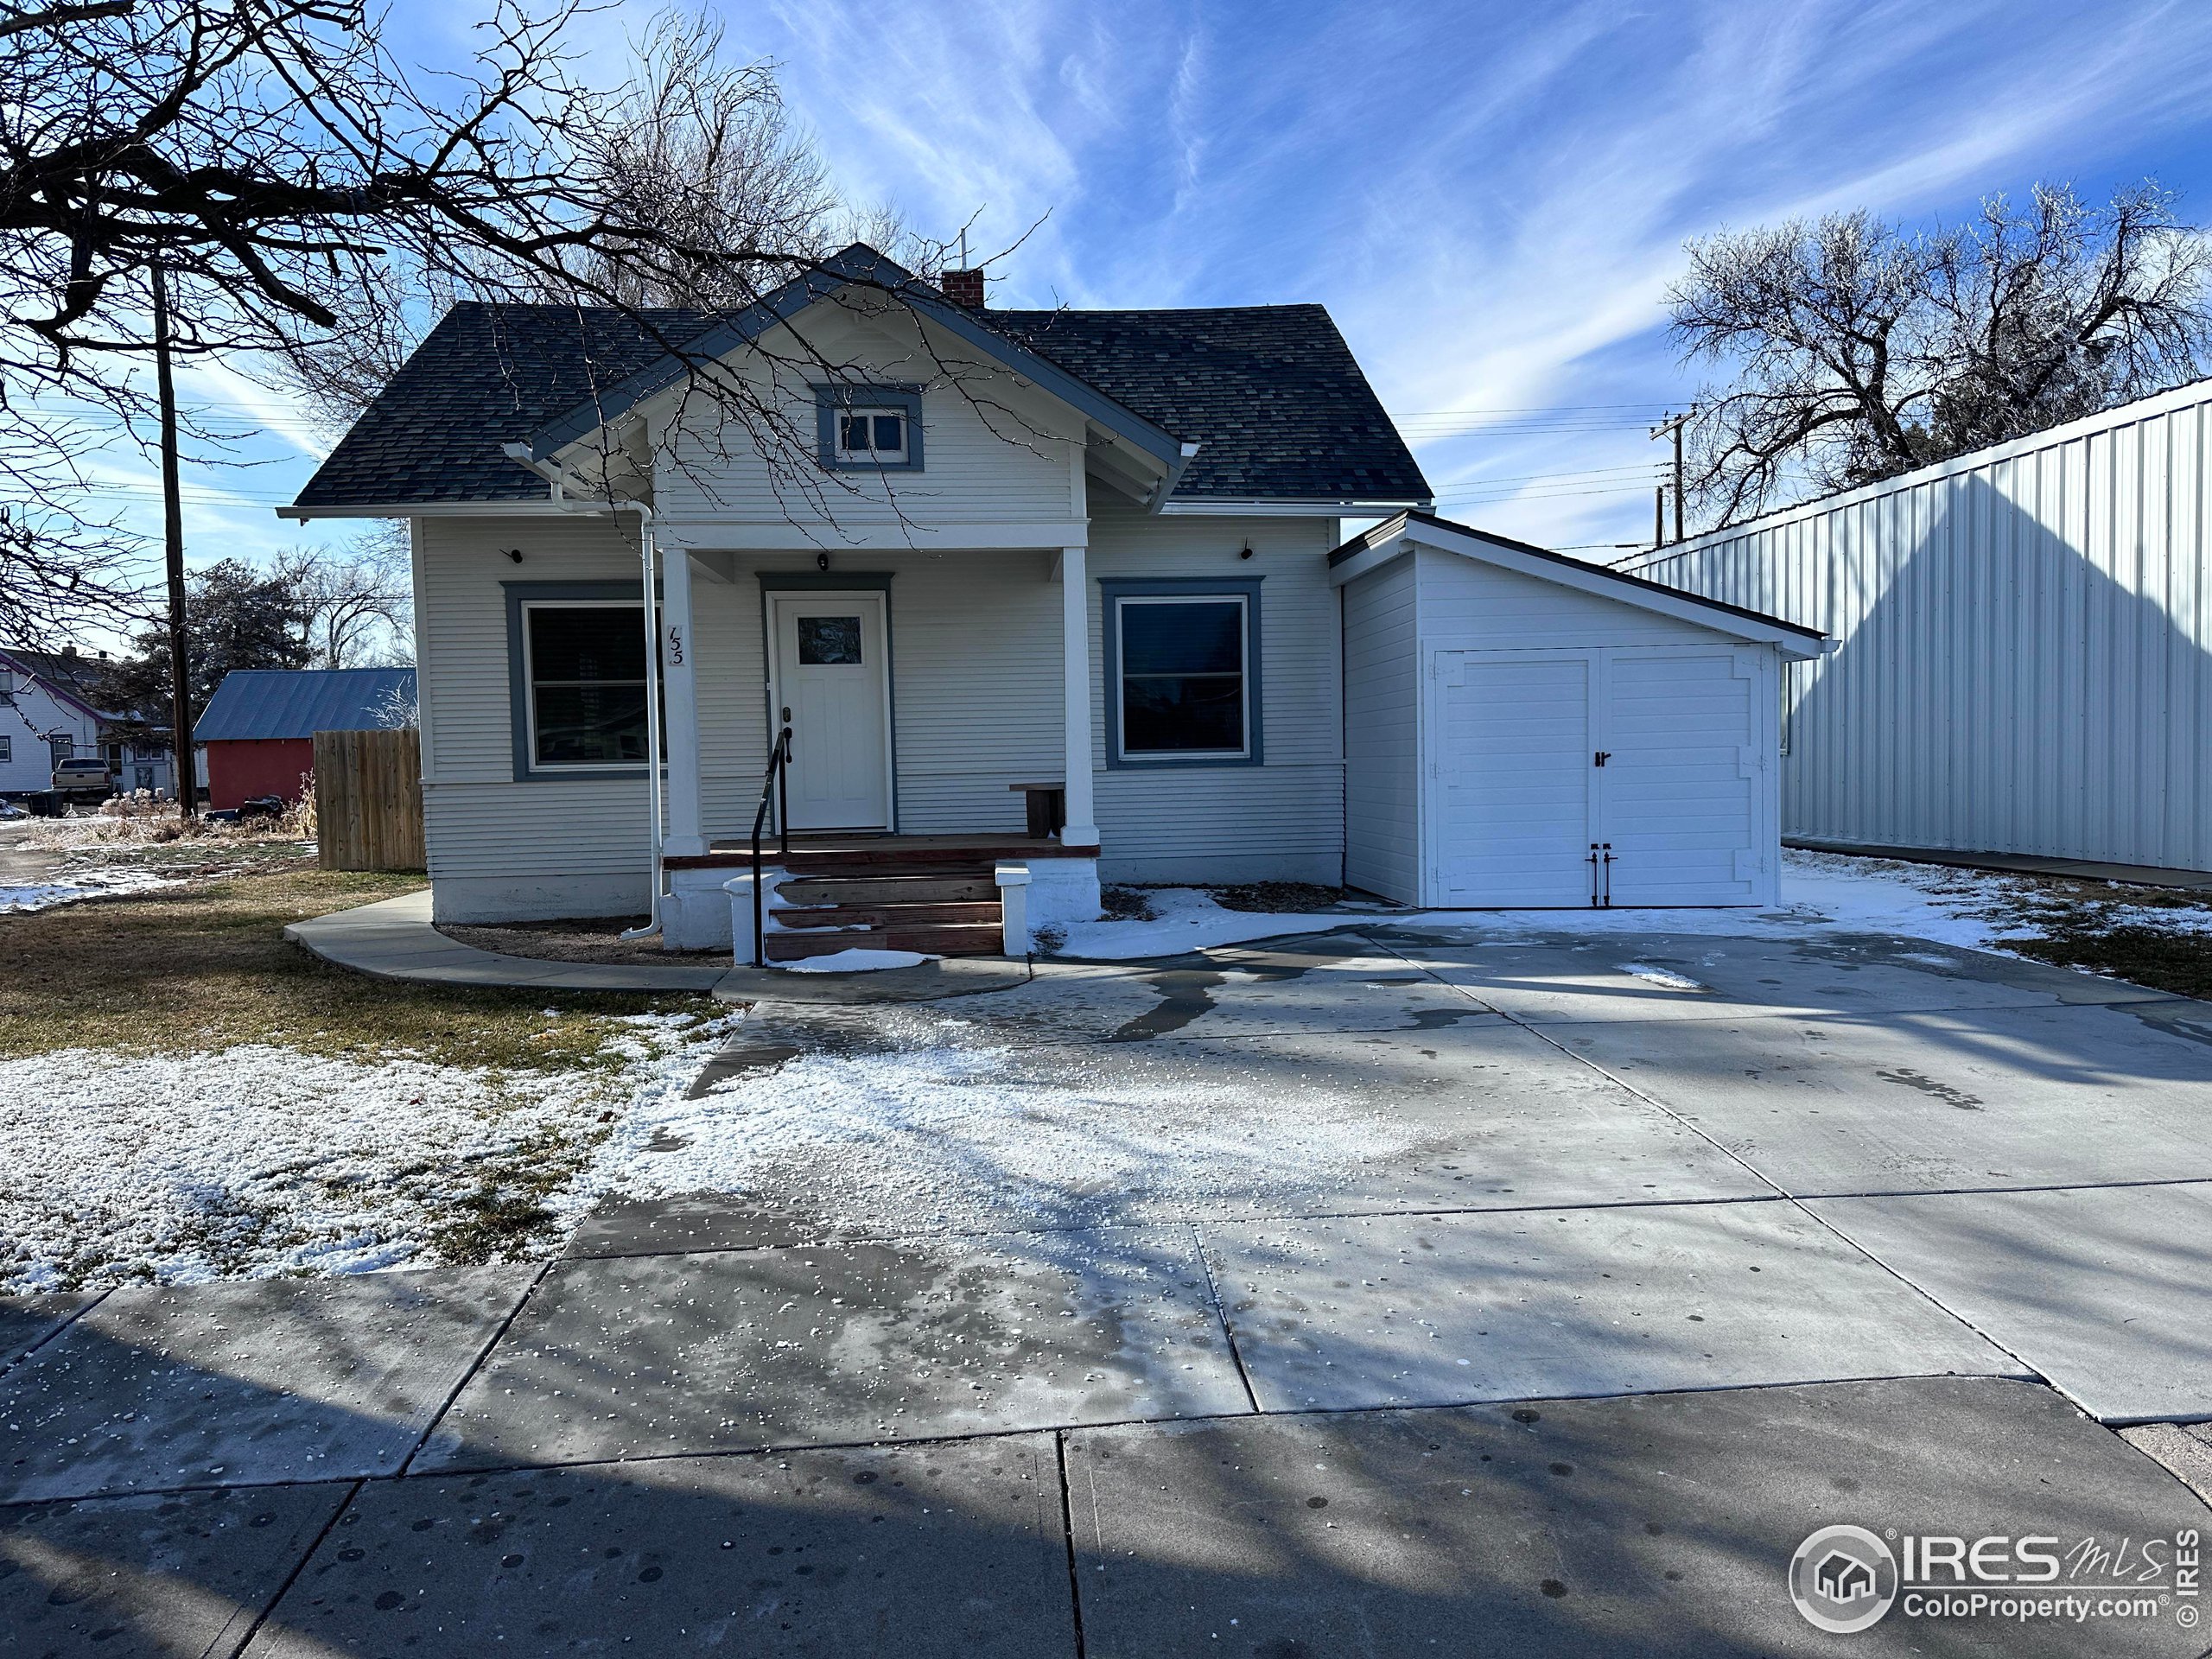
(1516, 802)
(832, 688)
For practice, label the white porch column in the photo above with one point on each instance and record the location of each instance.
(681, 692)
(1082, 829)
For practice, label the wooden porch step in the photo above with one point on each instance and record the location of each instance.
(952, 939)
(898, 915)
(898, 852)
(877, 890)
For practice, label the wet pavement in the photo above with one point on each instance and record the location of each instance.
(1388, 1292)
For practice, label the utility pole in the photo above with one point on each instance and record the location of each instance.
(181, 765)
(1673, 424)
(1658, 515)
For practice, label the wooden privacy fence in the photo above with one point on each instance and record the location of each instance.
(368, 800)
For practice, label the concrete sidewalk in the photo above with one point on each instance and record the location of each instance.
(1401, 1292)
(394, 938)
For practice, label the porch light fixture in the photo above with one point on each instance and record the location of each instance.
(514, 553)
(1246, 551)
(822, 561)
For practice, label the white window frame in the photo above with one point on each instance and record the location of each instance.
(872, 456)
(1129, 757)
(529, 682)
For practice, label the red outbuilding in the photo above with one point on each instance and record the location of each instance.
(257, 731)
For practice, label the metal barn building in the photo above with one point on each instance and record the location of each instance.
(2021, 665)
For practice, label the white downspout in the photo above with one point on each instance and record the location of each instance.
(552, 474)
(645, 551)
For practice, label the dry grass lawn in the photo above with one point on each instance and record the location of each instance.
(206, 966)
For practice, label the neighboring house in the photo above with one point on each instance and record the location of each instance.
(257, 733)
(1084, 551)
(54, 705)
(2024, 655)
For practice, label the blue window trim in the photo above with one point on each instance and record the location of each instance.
(829, 399)
(1112, 589)
(519, 595)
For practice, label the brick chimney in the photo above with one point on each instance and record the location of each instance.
(964, 288)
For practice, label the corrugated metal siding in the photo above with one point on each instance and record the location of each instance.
(2022, 665)
(1383, 733)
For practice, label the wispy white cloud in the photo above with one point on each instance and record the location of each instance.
(1493, 203)
(1491, 199)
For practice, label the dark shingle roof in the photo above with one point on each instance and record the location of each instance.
(488, 375)
(1271, 393)
(270, 703)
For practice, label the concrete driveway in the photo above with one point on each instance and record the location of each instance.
(1378, 1293)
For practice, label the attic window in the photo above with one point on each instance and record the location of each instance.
(872, 436)
(869, 429)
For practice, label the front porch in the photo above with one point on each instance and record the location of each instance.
(945, 895)
(909, 694)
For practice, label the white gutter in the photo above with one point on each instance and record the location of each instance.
(558, 482)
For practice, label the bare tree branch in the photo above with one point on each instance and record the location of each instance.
(1856, 351)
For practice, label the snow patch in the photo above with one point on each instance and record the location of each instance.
(1666, 976)
(950, 1123)
(1974, 910)
(854, 962)
(82, 883)
(257, 1160)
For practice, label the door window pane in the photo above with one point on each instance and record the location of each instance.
(1182, 677)
(828, 640)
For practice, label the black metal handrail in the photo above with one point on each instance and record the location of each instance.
(777, 780)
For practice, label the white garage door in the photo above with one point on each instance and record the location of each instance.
(1512, 777)
(1650, 757)
(1681, 788)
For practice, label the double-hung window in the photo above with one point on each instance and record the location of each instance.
(584, 670)
(1183, 673)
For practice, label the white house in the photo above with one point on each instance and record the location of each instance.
(52, 707)
(1055, 604)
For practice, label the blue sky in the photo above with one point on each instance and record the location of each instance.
(1490, 199)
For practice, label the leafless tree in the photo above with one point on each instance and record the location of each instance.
(356, 608)
(288, 177)
(1856, 350)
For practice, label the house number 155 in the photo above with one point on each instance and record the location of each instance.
(676, 647)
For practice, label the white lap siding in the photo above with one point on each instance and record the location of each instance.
(1383, 733)
(1282, 820)
(499, 849)
(975, 684)
(975, 690)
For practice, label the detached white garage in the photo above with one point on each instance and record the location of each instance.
(1523, 729)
